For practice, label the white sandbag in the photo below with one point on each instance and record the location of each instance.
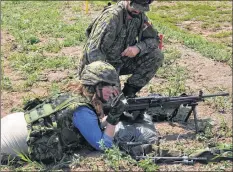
(14, 134)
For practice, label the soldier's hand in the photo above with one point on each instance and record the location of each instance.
(117, 109)
(131, 51)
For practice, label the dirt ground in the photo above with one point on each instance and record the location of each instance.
(206, 75)
(10, 100)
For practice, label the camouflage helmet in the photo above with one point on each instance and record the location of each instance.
(141, 5)
(98, 72)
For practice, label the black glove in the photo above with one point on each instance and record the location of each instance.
(117, 109)
(130, 90)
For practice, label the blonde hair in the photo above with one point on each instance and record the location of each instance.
(88, 92)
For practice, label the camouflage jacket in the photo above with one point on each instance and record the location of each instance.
(113, 31)
(51, 133)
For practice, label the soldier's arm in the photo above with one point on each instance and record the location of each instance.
(102, 37)
(149, 38)
(86, 121)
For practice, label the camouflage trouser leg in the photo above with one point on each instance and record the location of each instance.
(142, 68)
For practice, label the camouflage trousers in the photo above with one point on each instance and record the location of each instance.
(142, 68)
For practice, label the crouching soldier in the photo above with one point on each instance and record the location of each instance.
(122, 36)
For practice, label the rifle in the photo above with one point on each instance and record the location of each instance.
(144, 103)
(184, 159)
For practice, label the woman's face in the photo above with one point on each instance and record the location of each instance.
(107, 93)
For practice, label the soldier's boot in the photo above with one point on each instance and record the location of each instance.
(130, 90)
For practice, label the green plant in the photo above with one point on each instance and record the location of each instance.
(27, 63)
(221, 103)
(225, 146)
(222, 34)
(205, 25)
(115, 158)
(70, 41)
(23, 157)
(148, 165)
(27, 98)
(16, 109)
(174, 74)
(99, 5)
(54, 89)
(30, 165)
(207, 131)
(75, 161)
(31, 79)
(225, 166)
(6, 83)
(224, 130)
(176, 82)
(53, 46)
(171, 55)
(33, 40)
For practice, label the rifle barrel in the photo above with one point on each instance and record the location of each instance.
(215, 95)
(204, 159)
(162, 99)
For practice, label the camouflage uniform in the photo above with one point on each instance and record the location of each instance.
(51, 133)
(111, 33)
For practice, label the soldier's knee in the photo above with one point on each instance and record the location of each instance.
(158, 57)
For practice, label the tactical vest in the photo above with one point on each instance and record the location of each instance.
(51, 133)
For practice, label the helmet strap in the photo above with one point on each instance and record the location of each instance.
(99, 90)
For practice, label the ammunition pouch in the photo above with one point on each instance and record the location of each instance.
(32, 103)
(47, 148)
